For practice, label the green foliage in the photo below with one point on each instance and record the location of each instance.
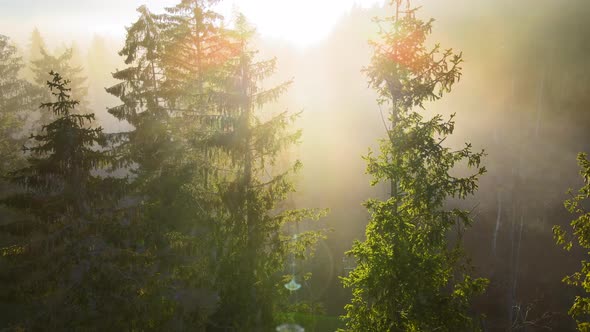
(64, 65)
(63, 266)
(139, 86)
(172, 207)
(62, 156)
(16, 97)
(207, 186)
(409, 276)
(313, 322)
(580, 309)
(245, 143)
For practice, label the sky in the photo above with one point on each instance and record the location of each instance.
(300, 22)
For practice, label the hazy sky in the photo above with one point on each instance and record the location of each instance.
(302, 22)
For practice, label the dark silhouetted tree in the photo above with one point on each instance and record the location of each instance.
(64, 65)
(18, 99)
(66, 268)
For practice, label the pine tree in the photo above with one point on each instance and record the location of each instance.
(63, 64)
(16, 97)
(196, 50)
(580, 309)
(140, 90)
(166, 94)
(251, 227)
(201, 159)
(196, 46)
(155, 151)
(166, 182)
(65, 256)
(409, 275)
(37, 43)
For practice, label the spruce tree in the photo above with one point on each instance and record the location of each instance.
(140, 91)
(37, 43)
(409, 274)
(196, 50)
(64, 65)
(16, 98)
(251, 227)
(62, 157)
(65, 253)
(196, 46)
(167, 96)
(166, 185)
(202, 158)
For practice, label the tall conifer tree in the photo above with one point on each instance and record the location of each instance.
(144, 105)
(209, 186)
(64, 65)
(251, 227)
(16, 97)
(157, 95)
(409, 274)
(57, 268)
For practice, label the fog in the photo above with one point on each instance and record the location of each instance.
(523, 97)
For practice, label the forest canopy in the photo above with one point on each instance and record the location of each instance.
(208, 165)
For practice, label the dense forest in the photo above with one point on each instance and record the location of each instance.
(422, 168)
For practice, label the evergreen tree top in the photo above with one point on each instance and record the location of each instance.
(61, 158)
(403, 69)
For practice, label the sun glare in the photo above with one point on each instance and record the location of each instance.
(299, 22)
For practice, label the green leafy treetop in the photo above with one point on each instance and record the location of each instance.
(409, 275)
(580, 309)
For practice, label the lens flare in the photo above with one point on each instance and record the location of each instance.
(292, 285)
